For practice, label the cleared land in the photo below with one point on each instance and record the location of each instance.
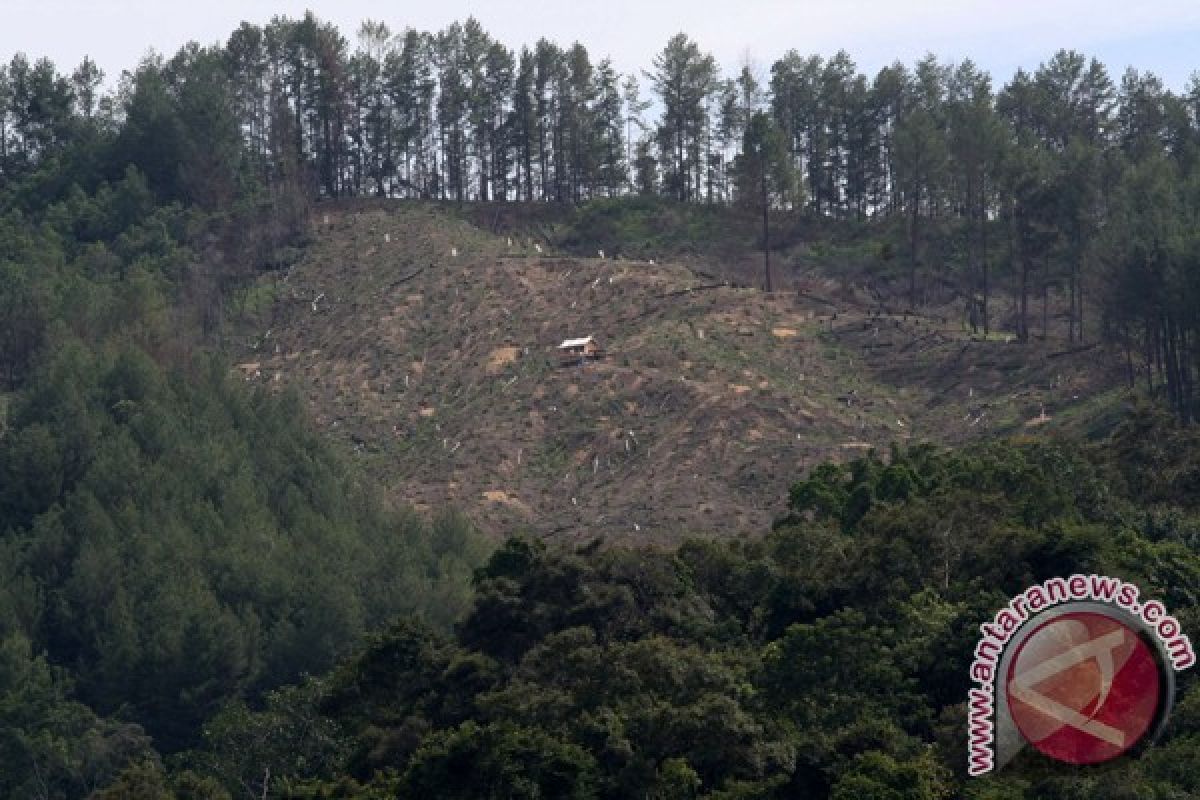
(441, 371)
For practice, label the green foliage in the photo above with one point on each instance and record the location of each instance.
(175, 538)
(287, 737)
(147, 780)
(649, 227)
(499, 761)
(52, 746)
(878, 776)
(819, 661)
(141, 780)
(175, 547)
(765, 173)
(193, 542)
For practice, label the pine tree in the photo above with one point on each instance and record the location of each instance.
(373, 134)
(684, 78)
(525, 125)
(766, 178)
(608, 130)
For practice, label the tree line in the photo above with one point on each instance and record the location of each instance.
(1036, 188)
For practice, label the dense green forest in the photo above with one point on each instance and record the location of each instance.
(201, 598)
(828, 658)
(169, 538)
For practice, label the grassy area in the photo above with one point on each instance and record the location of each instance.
(256, 299)
(645, 227)
(1094, 416)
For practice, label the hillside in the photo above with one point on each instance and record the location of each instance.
(428, 346)
(297, 499)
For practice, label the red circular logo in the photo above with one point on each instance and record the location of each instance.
(1084, 688)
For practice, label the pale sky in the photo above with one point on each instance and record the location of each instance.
(1156, 35)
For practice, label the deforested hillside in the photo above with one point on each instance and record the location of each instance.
(429, 347)
(401, 412)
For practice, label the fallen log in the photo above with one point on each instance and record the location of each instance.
(405, 279)
(690, 289)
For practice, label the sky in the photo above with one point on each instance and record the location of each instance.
(1159, 36)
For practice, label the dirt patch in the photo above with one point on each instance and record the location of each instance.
(501, 357)
(504, 498)
(784, 333)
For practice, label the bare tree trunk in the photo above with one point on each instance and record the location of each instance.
(914, 237)
(1023, 324)
(762, 162)
(1079, 305)
(1071, 305)
(1128, 356)
(1046, 302)
(1150, 346)
(1184, 368)
(983, 253)
(1157, 353)
(1174, 374)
